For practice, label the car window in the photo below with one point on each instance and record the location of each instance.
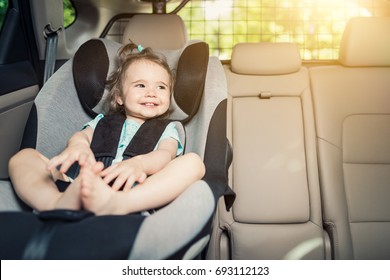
(3, 10)
(315, 25)
(69, 13)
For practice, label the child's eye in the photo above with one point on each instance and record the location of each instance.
(140, 85)
(162, 87)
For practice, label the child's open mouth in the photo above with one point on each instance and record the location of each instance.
(149, 104)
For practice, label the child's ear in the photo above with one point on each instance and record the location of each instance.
(119, 100)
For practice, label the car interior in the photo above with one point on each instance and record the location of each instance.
(294, 134)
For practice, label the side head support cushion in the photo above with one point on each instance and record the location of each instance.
(90, 69)
(190, 78)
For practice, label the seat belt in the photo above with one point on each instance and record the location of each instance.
(51, 36)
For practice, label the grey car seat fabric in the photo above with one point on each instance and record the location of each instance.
(167, 233)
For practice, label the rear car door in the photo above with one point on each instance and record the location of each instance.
(19, 76)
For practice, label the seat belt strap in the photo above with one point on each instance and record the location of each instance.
(51, 36)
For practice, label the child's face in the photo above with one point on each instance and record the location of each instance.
(146, 91)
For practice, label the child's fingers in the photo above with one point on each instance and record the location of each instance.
(97, 167)
(92, 160)
(55, 161)
(121, 180)
(83, 159)
(142, 178)
(110, 176)
(52, 163)
(129, 183)
(132, 180)
(88, 159)
(66, 165)
(108, 170)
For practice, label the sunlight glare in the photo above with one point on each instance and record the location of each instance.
(356, 10)
(215, 9)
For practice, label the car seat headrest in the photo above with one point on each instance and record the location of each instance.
(91, 67)
(366, 42)
(265, 58)
(162, 32)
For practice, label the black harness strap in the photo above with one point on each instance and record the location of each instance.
(146, 137)
(107, 135)
(106, 138)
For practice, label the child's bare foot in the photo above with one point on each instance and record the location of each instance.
(96, 195)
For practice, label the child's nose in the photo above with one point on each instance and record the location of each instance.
(151, 92)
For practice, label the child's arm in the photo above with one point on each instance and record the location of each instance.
(77, 149)
(138, 168)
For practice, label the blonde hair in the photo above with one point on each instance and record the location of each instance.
(127, 55)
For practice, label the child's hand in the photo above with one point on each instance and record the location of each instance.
(124, 173)
(81, 153)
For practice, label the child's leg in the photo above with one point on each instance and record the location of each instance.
(35, 185)
(157, 190)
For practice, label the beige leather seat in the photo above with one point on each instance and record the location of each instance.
(277, 212)
(163, 32)
(352, 111)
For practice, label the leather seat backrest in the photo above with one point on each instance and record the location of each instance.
(352, 112)
(277, 212)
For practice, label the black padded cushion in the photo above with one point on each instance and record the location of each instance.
(190, 78)
(218, 156)
(90, 69)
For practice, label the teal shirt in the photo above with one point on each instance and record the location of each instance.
(129, 129)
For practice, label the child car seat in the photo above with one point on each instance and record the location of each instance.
(162, 235)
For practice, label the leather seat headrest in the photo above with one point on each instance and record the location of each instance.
(366, 42)
(265, 58)
(160, 32)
